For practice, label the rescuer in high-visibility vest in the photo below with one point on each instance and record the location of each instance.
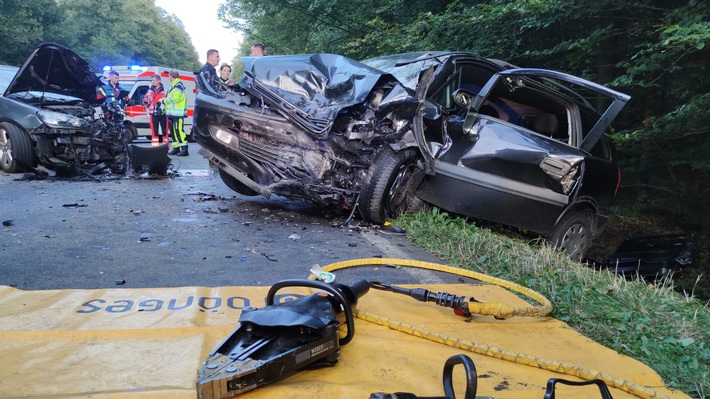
(176, 109)
(153, 102)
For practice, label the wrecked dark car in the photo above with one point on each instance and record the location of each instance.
(652, 257)
(474, 136)
(50, 116)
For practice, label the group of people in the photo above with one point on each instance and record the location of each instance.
(167, 110)
(223, 81)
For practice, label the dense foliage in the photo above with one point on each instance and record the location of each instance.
(656, 51)
(116, 32)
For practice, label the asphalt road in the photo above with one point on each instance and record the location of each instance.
(188, 229)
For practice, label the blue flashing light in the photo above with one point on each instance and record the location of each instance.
(107, 68)
(135, 68)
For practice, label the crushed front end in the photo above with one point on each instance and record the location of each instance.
(79, 138)
(314, 140)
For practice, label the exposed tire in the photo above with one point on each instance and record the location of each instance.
(236, 185)
(16, 150)
(573, 235)
(131, 132)
(389, 186)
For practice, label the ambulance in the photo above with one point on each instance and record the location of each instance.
(136, 79)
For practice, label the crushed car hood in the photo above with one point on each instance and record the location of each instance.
(319, 85)
(52, 68)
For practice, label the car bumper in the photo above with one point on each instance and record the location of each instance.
(232, 170)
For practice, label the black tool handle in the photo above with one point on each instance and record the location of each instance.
(339, 292)
(550, 392)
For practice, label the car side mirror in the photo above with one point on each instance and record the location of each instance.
(463, 98)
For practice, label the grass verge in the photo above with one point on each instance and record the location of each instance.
(651, 323)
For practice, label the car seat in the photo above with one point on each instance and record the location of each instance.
(488, 110)
(546, 124)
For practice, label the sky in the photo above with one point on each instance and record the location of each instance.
(204, 27)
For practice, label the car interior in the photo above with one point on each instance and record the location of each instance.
(522, 103)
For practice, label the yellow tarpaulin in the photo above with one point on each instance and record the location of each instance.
(126, 343)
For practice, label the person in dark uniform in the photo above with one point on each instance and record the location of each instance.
(208, 71)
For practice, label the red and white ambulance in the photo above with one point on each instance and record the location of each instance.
(136, 79)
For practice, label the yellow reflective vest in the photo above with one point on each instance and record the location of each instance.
(176, 100)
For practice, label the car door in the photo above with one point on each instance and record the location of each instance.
(498, 167)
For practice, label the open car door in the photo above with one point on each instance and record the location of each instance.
(516, 149)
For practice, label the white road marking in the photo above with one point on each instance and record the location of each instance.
(423, 276)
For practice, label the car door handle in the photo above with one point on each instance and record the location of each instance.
(559, 167)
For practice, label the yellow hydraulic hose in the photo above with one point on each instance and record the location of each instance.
(492, 309)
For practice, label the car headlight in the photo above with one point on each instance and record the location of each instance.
(59, 120)
(224, 136)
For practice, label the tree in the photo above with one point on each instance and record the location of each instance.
(24, 24)
(122, 32)
(303, 26)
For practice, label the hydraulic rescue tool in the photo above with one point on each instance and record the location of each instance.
(275, 341)
(280, 339)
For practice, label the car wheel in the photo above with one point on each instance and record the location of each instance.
(131, 133)
(236, 185)
(573, 235)
(389, 186)
(16, 150)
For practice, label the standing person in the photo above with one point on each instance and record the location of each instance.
(208, 71)
(257, 50)
(153, 101)
(115, 99)
(225, 71)
(112, 90)
(176, 109)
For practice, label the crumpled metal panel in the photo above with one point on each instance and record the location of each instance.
(407, 67)
(320, 85)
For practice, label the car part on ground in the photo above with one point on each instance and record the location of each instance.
(473, 136)
(151, 160)
(652, 257)
(50, 116)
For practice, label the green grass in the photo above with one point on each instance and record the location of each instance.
(651, 323)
